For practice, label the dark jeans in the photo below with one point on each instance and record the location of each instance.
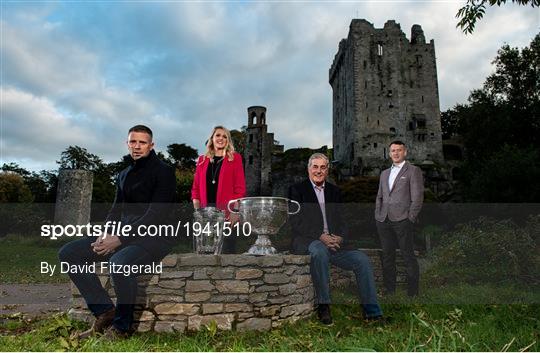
(354, 260)
(79, 252)
(392, 235)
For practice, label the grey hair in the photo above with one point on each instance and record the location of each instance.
(318, 156)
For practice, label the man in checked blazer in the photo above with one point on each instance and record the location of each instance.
(319, 230)
(399, 201)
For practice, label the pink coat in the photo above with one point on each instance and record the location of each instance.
(231, 183)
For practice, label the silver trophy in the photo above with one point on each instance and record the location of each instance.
(266, 215)
(209, 241)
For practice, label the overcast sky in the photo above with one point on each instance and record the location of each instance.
(82, 73)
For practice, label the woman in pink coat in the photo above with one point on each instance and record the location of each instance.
(219, 177)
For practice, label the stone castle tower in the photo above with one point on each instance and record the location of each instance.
(384, 89)
(258, 153)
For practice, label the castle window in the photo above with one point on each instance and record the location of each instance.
(365, 84)
(375, 145)
(379, 49)
(419, 60)
(384, 153)
(411, 84)
(422, 99)
(378, 123)
(389, 94)
(365, 64)
(366, 104)
(411, 125)
(421, 123)
(367, 119)
(393, 130)
(379, 108)
(250, 160)
(250, 138)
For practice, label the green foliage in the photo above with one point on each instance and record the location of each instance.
(182, 155)
(239, 139)
(75, 157)
(20, 258)
(13, 188)
(474, 10)
(500, 129)
(184, 181)
(415, 327)
(488, 251)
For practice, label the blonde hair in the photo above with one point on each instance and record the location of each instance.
(229, 149)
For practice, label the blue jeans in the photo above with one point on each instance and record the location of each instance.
(354, 260)
(79, 252)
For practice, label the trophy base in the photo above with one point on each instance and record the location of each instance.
(262, 246)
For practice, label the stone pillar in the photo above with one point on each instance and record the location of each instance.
(74, 197)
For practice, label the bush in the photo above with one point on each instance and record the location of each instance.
(488, 251)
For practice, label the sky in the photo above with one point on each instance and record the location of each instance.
(82, 73)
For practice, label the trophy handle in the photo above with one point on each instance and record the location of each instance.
(297, 210)
(229, 206)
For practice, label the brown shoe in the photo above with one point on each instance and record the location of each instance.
(114, 334)
(102, 322)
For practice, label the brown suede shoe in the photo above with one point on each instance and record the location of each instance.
(102, 322)
(114, 334)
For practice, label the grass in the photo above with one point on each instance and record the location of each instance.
(416, 325)
(20, 258)
(453, 317)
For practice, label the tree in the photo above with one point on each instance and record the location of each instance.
(501, 122)
(474, 10)
(239, 139)
(182, 155)
(75, 157)
(13, 188)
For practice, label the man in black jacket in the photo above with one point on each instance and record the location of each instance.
(319, 230)
(145, 192)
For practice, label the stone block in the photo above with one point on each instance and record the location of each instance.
(287, 289)
(271, 261)
(277, 278)
(222, 273)
(146, 315)
(270, 310)
(232, 287)
(248, 273)
(172, 283)
(176, 309)
(239, 260)
(197, 260)
(296, 259)
(212, 308)
(303, 281)
(234, 307)
(257, 297)
(266, 289)
(242, 316)
(159, 298)
(170, 326)
(254, 324)
(170, 260)
(145, 326)
(163, 291)
(296, 310)
(200, 274)
(176, 274)
(223, 321)
(199, 286)
(197, 296)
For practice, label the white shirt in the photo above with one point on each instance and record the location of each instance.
(394, 171)
(319, 192)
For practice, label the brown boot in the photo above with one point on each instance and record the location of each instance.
(102, 322)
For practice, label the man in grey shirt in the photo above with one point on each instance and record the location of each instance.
(399, 201)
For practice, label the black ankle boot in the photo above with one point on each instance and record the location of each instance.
(323, 312)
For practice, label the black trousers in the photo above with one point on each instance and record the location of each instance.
(392, 235)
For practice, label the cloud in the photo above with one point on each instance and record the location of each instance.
(95, 69)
